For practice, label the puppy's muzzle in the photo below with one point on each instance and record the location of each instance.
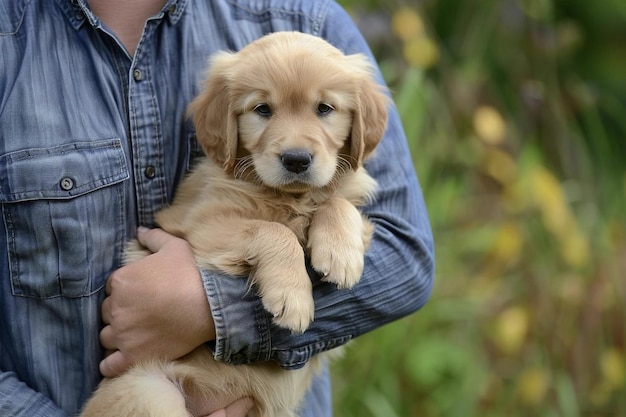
(296, 161)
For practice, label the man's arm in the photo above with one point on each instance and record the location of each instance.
(18, 400)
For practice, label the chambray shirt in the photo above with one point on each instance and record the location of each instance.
(93, 143)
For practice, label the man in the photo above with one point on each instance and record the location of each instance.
(93, 141)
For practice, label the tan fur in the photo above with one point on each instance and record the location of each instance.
(244, 213)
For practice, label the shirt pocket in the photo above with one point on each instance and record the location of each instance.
(63, 211)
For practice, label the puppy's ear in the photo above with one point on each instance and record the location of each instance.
(370, 116)
(213, 113)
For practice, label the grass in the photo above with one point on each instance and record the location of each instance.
(515, 112)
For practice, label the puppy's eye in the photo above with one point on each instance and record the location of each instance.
(263, 110)
(324, 108)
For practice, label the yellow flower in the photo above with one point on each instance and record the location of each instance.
(489, 125)
(549, 196)
(511, 329)
(500, 166)
(421, 52)
(407, 24)
(613, 368)
(533, 385)
(508, 243)
(575, 248)
(558, 218)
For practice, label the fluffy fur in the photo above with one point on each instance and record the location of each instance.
(286, 123)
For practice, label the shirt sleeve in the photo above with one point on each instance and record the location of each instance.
(18, 400)
(399, 265)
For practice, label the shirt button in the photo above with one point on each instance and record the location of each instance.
(172, 9)
(137, 75)
(67, 184)
(150, 171)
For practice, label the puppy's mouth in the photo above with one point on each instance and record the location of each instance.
(295, 187)
(292, 171)
(298, 171)
(295, 181)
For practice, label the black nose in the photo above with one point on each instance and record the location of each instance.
(296, 161)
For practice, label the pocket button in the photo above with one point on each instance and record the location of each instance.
(67, 183)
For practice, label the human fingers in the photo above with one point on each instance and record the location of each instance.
(105, 310)
(240, 407)
(154, 239)
(114, 364)
(237, 408)
(107, 339)
(108, 287)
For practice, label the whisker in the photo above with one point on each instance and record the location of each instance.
(241, 166)
(351, 160)
(244, 170)
(343, 164)
(342, 168)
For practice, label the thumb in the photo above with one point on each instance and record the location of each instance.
(238, 408)
(153, 239)
(114, 364)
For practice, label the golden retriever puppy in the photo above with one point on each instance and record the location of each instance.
(286, 124)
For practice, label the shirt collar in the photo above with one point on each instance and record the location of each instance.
(174, 9)
(79, 12)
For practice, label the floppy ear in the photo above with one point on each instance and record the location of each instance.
(369, 120)
(213, 113)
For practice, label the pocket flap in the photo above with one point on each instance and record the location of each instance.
(61, 172)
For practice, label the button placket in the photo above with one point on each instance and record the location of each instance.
(137, 74)
(150, 171)
(145, 127)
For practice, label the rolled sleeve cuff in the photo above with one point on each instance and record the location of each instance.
(245, 333)
(242, 326)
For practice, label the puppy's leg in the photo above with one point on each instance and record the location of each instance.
(338, 238)
(272, 255)
(144, 391)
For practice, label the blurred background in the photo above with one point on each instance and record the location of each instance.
(515, 111)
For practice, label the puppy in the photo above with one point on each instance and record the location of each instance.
(286, 124)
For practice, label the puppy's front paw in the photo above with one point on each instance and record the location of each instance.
(290, 300)
(295, 313)
(338, 238)
(340, 261)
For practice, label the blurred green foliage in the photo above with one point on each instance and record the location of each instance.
(515, 112)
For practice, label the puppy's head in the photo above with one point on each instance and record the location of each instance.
(291, 111)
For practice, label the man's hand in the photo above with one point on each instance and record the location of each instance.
(156, 307)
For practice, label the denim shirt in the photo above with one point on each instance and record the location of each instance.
(93, 142)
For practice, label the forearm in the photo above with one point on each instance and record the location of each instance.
(18, 400)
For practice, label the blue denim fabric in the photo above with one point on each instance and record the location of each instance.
(92, 144)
